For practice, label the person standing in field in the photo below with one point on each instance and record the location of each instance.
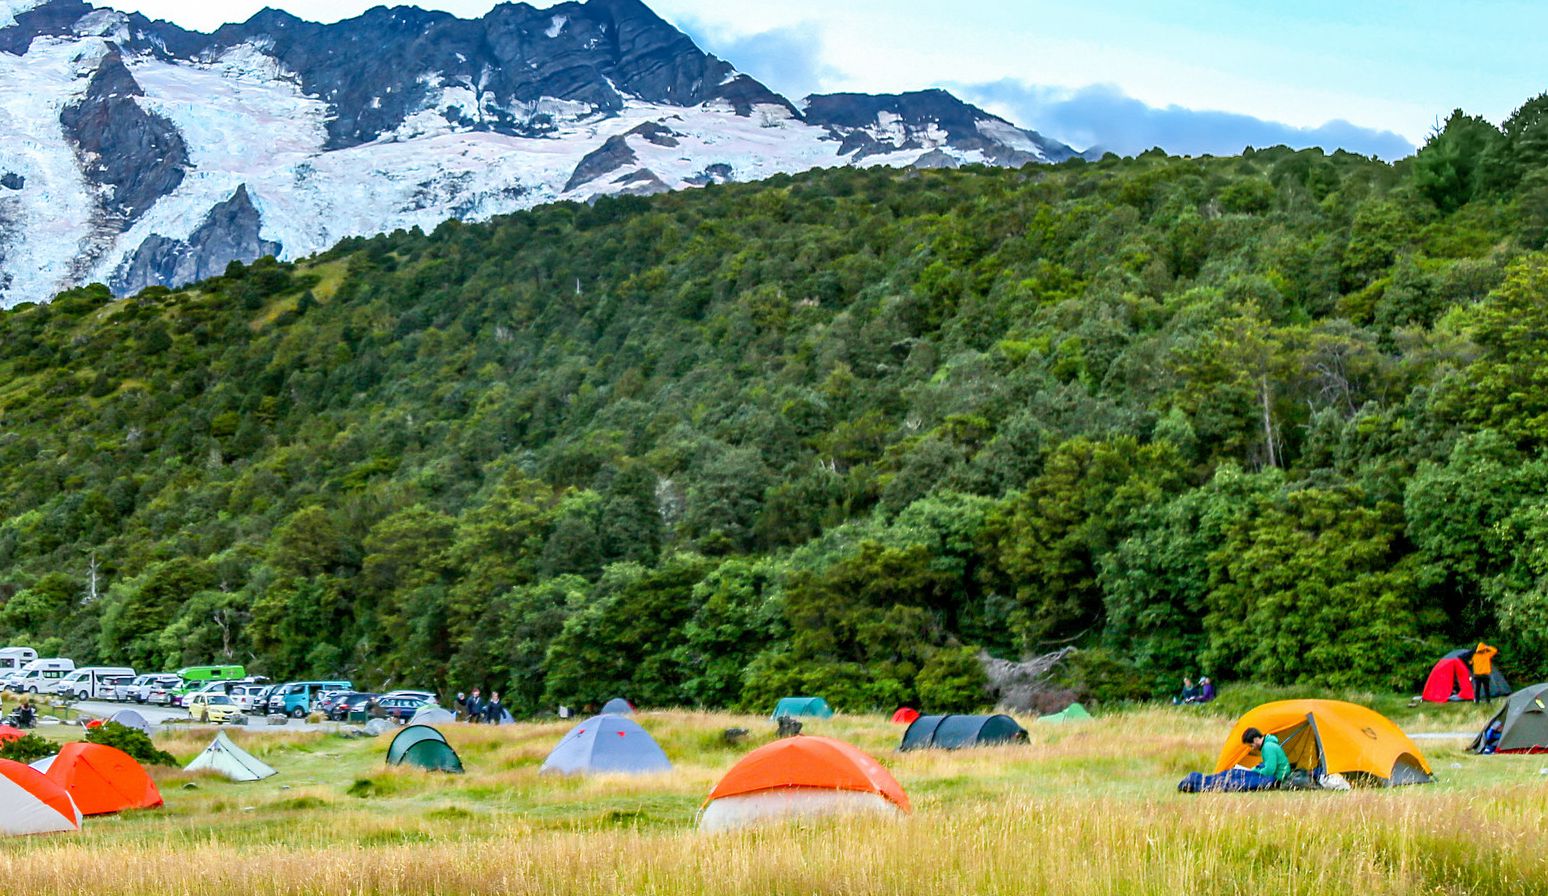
(1483, 668)
(493, 711)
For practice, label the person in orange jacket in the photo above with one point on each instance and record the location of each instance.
(1483, 667)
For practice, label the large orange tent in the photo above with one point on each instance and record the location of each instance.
(1331, 736)
(800, 777)
(103, 780)
(32, 804)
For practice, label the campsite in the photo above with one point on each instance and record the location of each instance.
(1087, 806)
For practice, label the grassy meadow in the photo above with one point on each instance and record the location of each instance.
(1086, 807)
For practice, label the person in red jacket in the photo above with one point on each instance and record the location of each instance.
(1483, 667)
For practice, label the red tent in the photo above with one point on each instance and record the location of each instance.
(1450, 676)
(7, 733)
(905, 716)
(103, 780)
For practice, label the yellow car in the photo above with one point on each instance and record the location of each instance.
(211, 708)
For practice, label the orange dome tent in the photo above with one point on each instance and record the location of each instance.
(1332, 736)
(103, 780)
(801, 777)
(906, 715)
(32, 804)
(7, 733)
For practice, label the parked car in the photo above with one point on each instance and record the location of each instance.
(399, 709)
(422, 696)
(294, 698)
(211, 706)
(327, 700)
(39, 675)
(89, 682)
(163, 692)
(351, 703)
(260, 699)
(139, 688)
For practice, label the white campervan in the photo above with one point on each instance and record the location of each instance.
(90, 682)
(37, 675)
(13, 658)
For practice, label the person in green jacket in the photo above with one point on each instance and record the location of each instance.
(1275, 763)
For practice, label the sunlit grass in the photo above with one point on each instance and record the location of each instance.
(1083, 808)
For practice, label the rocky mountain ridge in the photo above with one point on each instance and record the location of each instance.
(135, 153)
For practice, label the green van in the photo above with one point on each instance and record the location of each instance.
(195, 677)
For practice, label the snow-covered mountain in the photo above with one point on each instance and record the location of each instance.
(133, 152)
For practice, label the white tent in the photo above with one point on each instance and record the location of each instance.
(430, 714)
(230, 760)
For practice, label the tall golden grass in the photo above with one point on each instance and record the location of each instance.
(1083, 809)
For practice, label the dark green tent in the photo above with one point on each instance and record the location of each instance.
(1525, 721)
(955, 732)
(433, 756)
(407, 738)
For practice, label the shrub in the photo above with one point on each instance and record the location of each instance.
(132, 741)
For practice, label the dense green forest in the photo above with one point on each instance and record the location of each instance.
(1278, 417)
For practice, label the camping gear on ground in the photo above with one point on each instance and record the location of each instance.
(30, 803)
(1524, 721)
(377, 727)
(131, 719)
(103, 780)
(421, 746)
(1449, 680)
(1072, 713)
(954, 732)
(905, 716)
(1331, 736)
(606, 744)
(802, 706)
(1232, 780)
(225, 757)
(429, 714)
(785, 726)
(1498, 686)
(618, 706)
(801, 777)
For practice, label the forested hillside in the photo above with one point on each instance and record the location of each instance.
(1277, 417)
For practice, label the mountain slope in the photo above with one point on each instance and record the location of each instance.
(1277, 417)
(123, 136)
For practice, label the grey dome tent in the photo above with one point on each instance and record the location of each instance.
(802, 706)
(617, 706)
(1525, 721)
(423, 747)
(955, 732)
(430, 714)
(1498, 686)
(131, 719)
(607, 744)
(225, 757)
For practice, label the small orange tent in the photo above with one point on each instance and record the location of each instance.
(906, 715)
(801, 776)
(1332, 736)
(103, 780)
(7, 733)
(32, 804)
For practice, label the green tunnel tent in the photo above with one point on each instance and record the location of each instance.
(1524, 718)
(955, 732)
(1072, 713)
(815, 707)
(433, 756)
(407, 738)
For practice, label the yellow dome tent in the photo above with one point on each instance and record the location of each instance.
(1331, 736)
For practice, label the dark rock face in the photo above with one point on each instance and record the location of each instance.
(140, 157)
(229, 233)
(12, 181)
(846, 115)
(616, 153)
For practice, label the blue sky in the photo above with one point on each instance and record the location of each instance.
(1202, 76)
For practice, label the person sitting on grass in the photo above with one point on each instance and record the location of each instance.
(1189, 693)
(1206, 690)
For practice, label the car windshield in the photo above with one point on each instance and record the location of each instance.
(220, 700)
